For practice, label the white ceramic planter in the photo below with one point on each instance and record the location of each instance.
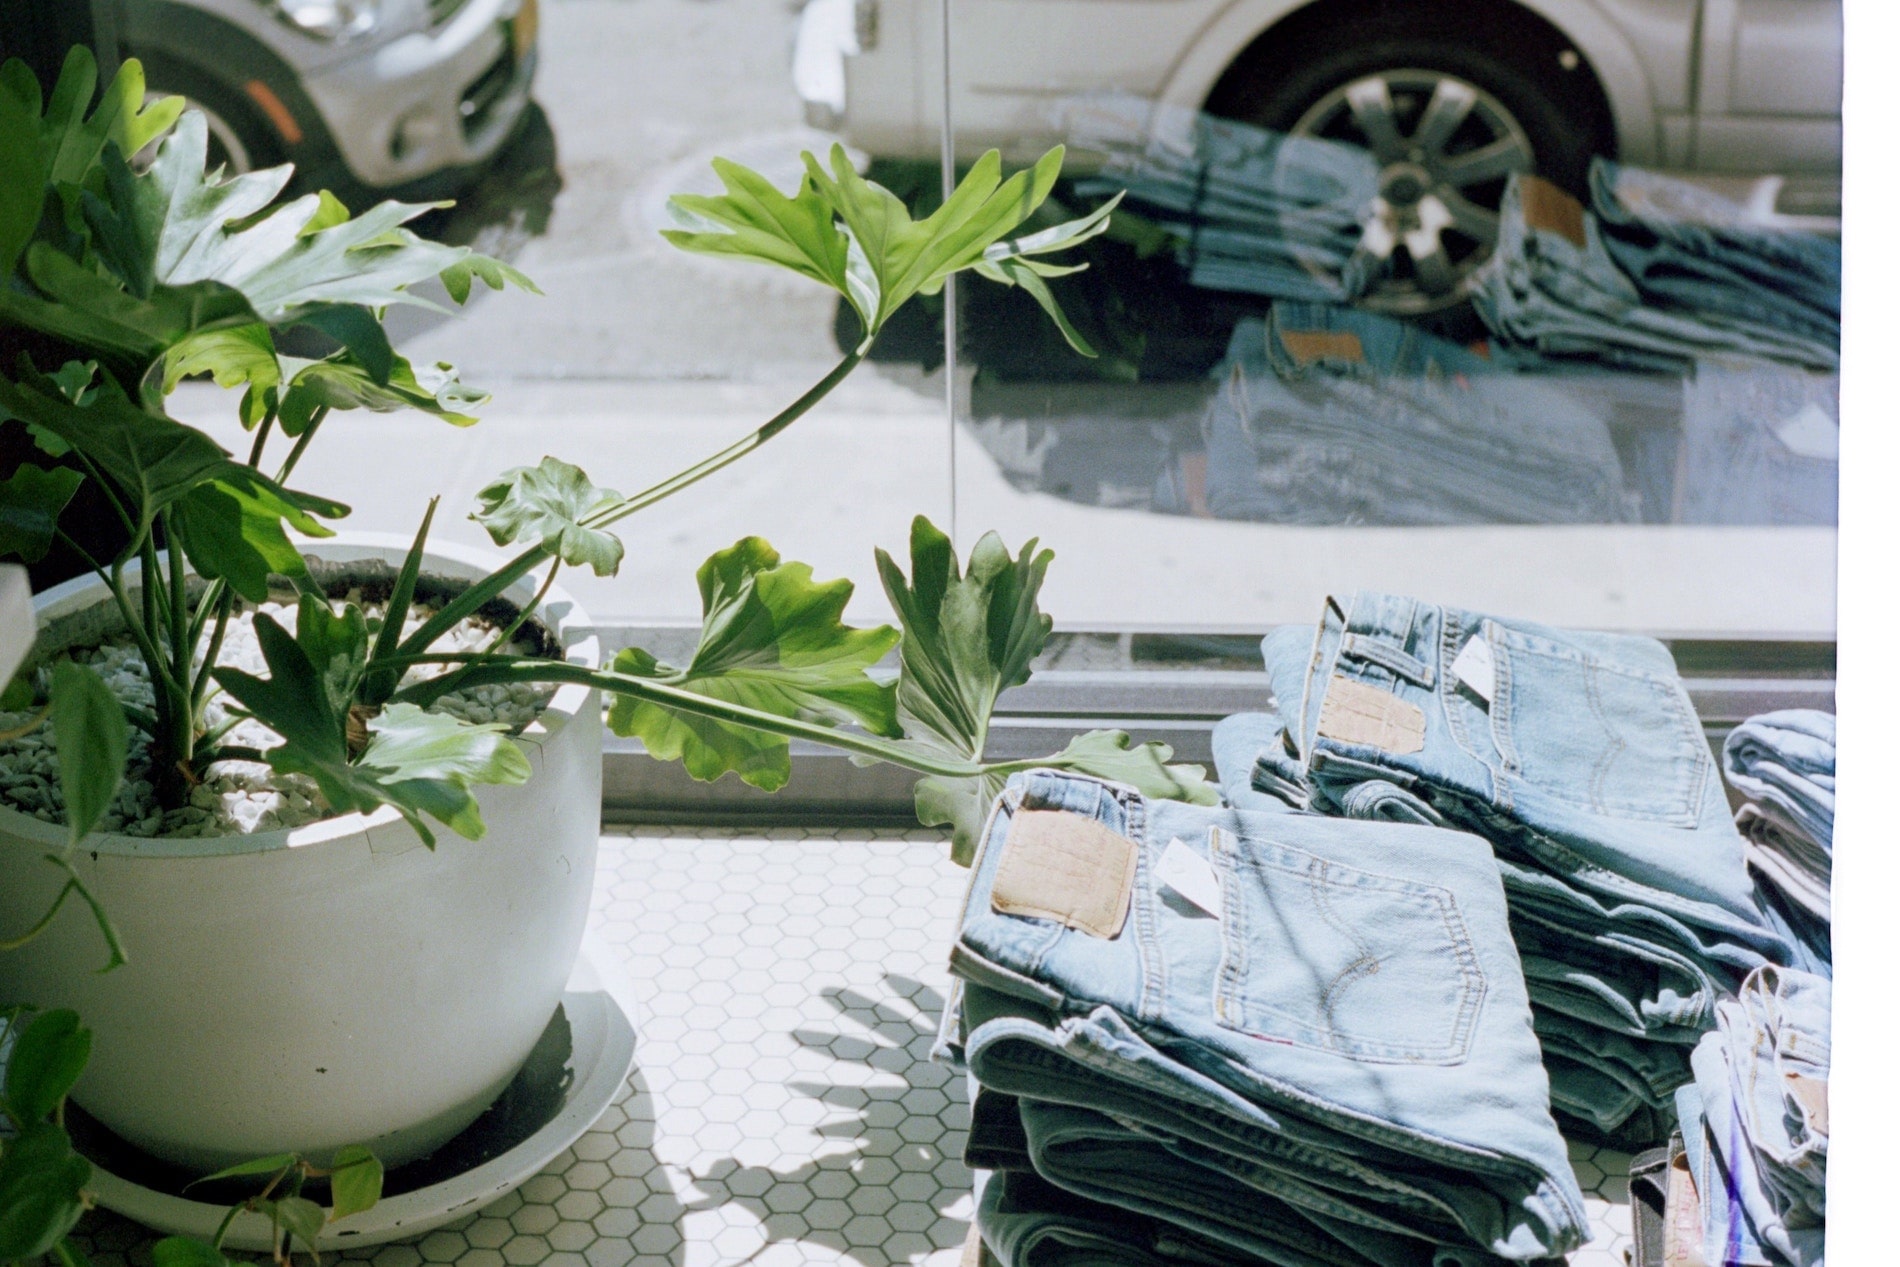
(332, 984)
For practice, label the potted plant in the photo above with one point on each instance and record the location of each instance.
(332, 982)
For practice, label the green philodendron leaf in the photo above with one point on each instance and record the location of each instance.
(418, 762)
(48, 1057)
(430, 761)
(58, 141)
(754, 221)
(356, 1181)
(90, 737)
(342, 383)
(186, 1251)
(910, 257)
(31, 500)
(232, 527)
(545, 505)
(968, 636)
(459, 278)
(772, 640)
(150, 459)
(881, 258)
(42, 1191)
(232, 356)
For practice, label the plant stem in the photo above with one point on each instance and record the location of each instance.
(200, 685)
(472, 598)
(732, 452)
(257, 445)
(673, 697)
(303, 442)
(521, 617)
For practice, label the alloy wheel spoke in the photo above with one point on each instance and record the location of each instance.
(1450, 105)
(1489, 162)
(1370, 100)
(1469, 218)
(1436, 276)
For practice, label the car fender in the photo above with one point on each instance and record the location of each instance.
(1604, 47)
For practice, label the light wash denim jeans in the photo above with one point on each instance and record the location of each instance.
(1754, 1122)
(1555, 288)
(1350, 1036)
(1587, 770)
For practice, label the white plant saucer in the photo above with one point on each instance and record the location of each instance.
(601, 1020)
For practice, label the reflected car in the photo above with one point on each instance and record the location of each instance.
(369, 98)
(1450, 98)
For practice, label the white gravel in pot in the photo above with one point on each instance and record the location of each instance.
(236, 797)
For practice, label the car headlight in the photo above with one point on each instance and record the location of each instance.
(330, 19)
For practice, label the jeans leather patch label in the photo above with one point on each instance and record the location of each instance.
(1307, 346)
(1068, 868)
(1548, 207)
(1357, 713)
(1811, 1095)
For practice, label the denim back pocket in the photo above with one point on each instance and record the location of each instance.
(1322, 955)
(1608, 738)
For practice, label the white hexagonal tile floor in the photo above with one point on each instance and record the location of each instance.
(783, 1108)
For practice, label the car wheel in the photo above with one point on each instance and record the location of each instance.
(238, 137)
(1448, 120)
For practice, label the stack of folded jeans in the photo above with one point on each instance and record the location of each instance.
(1783, 763)
(1580, 758)
(1558, 285)
(1690, 249)
(1245, 1038)
(1755, 1126)
(1328, 415)
(1256, 211)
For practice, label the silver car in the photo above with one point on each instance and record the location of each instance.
(1450, 97)
(367, 97)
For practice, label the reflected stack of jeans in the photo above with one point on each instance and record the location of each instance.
(1690, 249)
(1332, 416)
(1783, 762)
(1755, 1124)
(1580, 758)
(1244, 1038)
(1761, 444)
(1559, 285)
(1256, 211)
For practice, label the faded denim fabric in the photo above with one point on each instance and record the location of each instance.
(1759, 1112)
(1390, 1088)
(1687, 247)
(1783, 762)
(1588, 772)
(1760, 445)
(1027, 1221)
(1552, 287)
(1330, 417)
(1255, 767)
(1257, 211)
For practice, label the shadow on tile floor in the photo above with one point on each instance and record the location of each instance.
(900, 1190)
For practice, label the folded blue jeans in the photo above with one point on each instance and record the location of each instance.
(1349, 1034)
(1760, 1102)
(1577, 754)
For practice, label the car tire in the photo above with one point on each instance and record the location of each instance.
(1529, 101)
(239, 136)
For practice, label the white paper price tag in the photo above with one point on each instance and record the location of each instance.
(1190, 875)
(1476, 669)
